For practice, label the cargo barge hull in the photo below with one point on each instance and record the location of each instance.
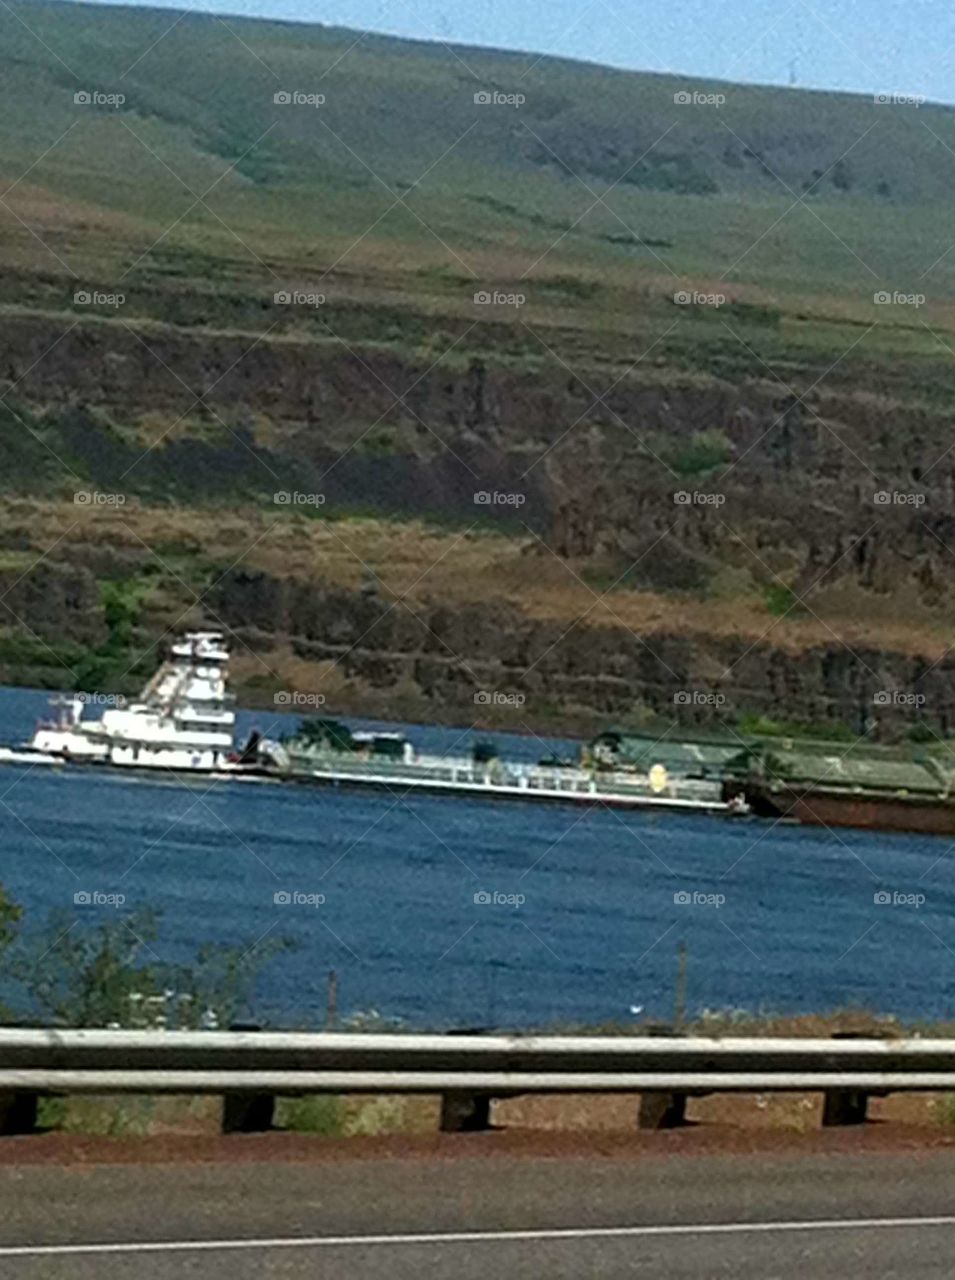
(409, 784)
(867, 813)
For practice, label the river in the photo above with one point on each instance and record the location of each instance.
(586, 909)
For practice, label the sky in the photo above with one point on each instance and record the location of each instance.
(866, 46)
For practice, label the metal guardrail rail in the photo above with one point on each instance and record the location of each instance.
(249, 1069)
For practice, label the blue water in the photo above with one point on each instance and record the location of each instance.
(598, 932)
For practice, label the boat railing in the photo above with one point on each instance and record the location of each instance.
(526, 777)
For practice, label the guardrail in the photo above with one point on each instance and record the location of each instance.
(250, 1069)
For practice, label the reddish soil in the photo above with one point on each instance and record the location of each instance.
(72, 1149)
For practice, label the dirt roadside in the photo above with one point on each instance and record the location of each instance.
(69, 1150)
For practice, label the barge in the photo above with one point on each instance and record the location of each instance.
(326, 752)
(832, 785)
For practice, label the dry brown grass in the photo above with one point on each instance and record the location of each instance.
(426, 563)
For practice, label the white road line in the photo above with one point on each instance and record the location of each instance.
(472, 1237)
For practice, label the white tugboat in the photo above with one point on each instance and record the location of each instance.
(184, 719)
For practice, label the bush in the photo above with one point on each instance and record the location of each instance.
(104, 973)
(781, 600)
(703, 452)
(757, 726)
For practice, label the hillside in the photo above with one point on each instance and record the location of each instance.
(692, 186)
(210, 295)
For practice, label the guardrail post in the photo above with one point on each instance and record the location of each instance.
(661, 1110)
(18, 1113)
(465, 1112)
(845, 1106)
(247, 1112)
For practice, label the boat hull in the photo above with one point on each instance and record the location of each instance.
(31, 757)
(399, 786)
(409, 785)
(868, 813)
(28, 756)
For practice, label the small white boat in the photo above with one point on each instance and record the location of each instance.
(184, 719)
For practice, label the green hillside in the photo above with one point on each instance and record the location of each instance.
(695, 189)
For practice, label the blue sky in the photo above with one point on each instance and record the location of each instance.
(869, 46)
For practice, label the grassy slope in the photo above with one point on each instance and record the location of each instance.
(695, 183)
(489, 195)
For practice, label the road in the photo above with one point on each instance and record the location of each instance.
(742, 1216)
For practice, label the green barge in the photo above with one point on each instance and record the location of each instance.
(813, 781)
(327, 752)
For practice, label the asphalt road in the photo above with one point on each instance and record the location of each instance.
(743, 1216)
